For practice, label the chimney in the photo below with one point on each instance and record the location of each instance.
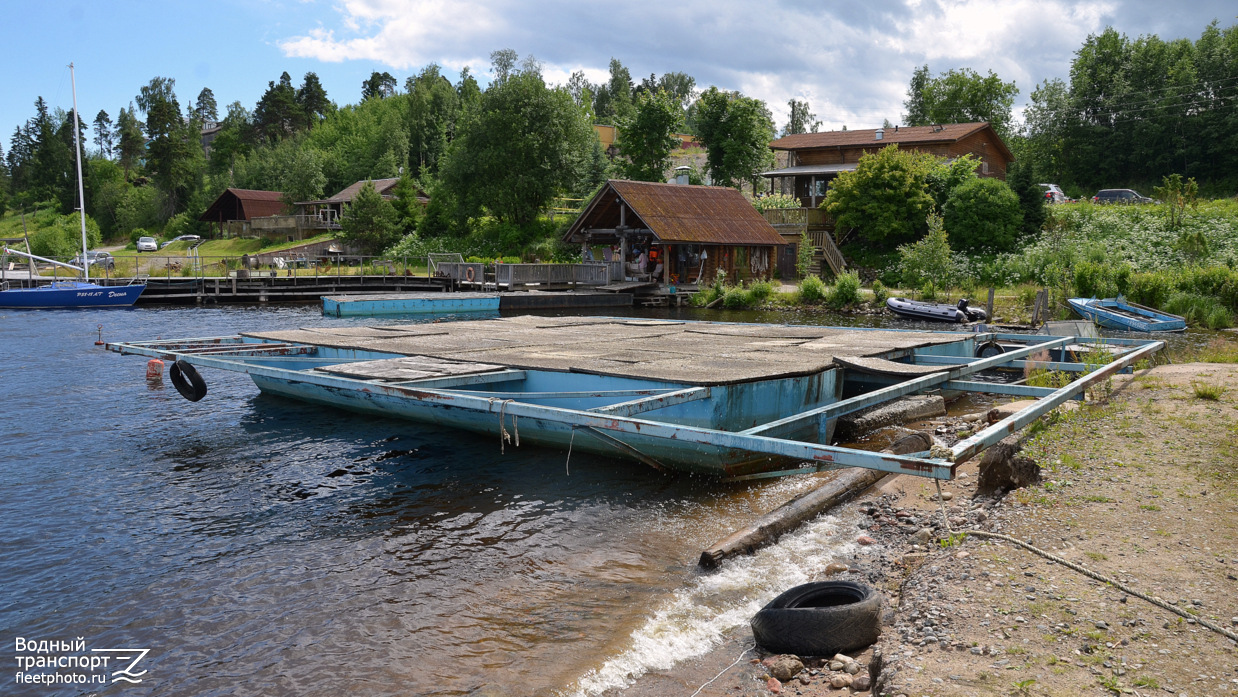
(879, 134)
(896, 128)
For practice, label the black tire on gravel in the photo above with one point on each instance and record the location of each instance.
(820, 619)
(989, 349)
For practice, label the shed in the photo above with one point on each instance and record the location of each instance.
(329, 209)
(676, 234)
(243, 204)
(814, 159)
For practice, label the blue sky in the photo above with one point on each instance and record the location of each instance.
(851, 61)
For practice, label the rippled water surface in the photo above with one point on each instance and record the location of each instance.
(261, 546)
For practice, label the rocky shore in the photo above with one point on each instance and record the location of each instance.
(1142, 488)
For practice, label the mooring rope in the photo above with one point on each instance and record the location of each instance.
(1083, 570)
(567, 465)
(738, 658)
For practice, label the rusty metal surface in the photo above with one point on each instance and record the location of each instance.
(679, 214)
(905, 135)
(244, 204)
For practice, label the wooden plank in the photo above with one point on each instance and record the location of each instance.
(407, 368)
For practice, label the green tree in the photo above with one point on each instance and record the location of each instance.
(800, 118)
(736, 131)
(648, 138)
(503, 63)
(378, 86)
(434, 109)
(174, 155)
(522, 145)
(885, 199)
(369, 222)
(205, 108)
(312, 102)
(468, 90)
(131, 147)
(945, 176)
(407, 206)
(235, 138)
(104, 135)
(681, 87)
(960, 96)
(1031, 198)
(1178, 195)
(277, 114)
(929, 260)
(613, 101)
(301, 178)
(984, 214)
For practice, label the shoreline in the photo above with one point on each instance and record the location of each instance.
(986, 617)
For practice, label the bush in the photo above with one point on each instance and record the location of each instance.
(846, 291)
(880, 293)
(928, 259)
(760, 291)
(812, 290)
(62, 236)
(773, 201)
(1200, 310)
(983, 213)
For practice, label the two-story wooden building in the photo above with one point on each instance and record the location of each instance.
(813, 159)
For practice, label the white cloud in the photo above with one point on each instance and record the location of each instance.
(850, 61)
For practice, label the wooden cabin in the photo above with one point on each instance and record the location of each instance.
(674, 234)
(329, 210)
(814, 159)
(243, 205)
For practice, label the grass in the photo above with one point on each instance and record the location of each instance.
(1206, 391)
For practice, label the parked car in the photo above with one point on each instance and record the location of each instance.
(1125, 196)
(181, 238)
(1054, 193)
(96, 259)
(147, 244)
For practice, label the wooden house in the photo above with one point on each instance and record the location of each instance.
(675, 234)
(813, 159)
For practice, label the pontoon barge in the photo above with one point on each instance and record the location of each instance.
(728, 400)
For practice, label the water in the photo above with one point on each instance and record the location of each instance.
(259, 546)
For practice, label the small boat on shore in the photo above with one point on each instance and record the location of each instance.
(936, 312)
(1117, 313)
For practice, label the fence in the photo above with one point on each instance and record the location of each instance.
(268, 265)
(513, 275)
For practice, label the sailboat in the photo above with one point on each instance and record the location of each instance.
(70, 294)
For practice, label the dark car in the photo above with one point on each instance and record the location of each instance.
(96, 259)
(1126, 196)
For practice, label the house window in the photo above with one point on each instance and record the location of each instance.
(984, 167)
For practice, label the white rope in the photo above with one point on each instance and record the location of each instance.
(567, 466)
(724, 670)
(504, 436)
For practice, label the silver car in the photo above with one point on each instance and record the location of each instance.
(147, 244)
(1053, 193)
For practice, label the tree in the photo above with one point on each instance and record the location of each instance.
(521, 146)
(407, 206)
(378, 86)
(104, 135)
(983, 213)
(468, 90)
(581, 89)
(960, 96)
(928, 262)
(800, 119)
(278, 114)
(736, 131)
(369, 222)
(235, 138)
(301, 178)
(312, 102)
(1031, 198)
(132, 143)
(173, 156)
(503, 63)
(433, 111)
(885, 198)
(205, 107)
(613, 101)
(681, 87)
(648, 138)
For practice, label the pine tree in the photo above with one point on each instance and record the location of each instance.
(312, 100)
(104, 135)
(132, 143)
(205, 107)
(370, 221)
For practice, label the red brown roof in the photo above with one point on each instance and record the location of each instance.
(244, 204)
(678, 214)
(903, 135)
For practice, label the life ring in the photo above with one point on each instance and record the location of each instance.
(468, 274)
(187, 381)
(820, 619)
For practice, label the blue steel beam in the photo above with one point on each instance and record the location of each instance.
(868, 399)
(969, 447)
(814, 452)
(587, 394)
(638, 406)
(1047, 365)
(465, 380)
(998, 388)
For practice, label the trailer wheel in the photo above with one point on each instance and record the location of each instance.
(187, 381)
(820, 619)
(989, 349)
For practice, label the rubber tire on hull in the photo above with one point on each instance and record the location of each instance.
(820, 619)
(989, 349)
(187, 381)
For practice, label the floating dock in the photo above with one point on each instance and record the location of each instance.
(452, 303)
(728, 400)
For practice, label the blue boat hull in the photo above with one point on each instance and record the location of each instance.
(70, 294)
(1116, 313)
(427, 303)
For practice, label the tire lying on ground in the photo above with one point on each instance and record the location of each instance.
(819, 619)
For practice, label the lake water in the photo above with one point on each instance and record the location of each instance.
(259, 546)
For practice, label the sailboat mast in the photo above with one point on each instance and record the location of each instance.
(81, 192)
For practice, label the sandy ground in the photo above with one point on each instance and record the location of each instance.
(1143, 489)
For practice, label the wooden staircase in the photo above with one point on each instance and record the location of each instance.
(794, 222)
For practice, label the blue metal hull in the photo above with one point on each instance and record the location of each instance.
(1116, 313)
(70, 294)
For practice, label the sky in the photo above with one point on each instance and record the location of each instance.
(850, 60)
